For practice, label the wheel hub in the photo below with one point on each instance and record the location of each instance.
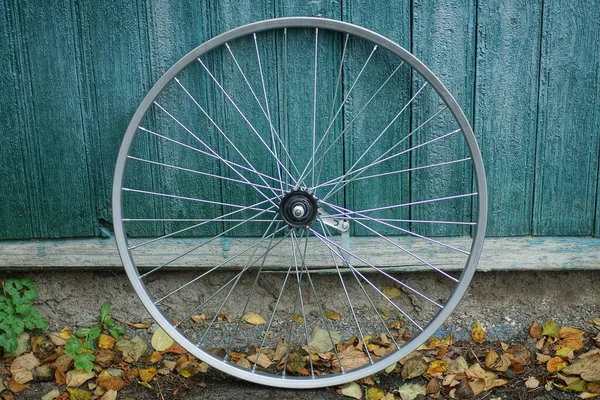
(298, 208)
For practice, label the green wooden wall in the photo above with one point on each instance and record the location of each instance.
(527, 74)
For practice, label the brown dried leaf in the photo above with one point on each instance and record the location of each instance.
(109, 395)
(572, 338)
(242, 362)
(535, 331)
(15, 386)
(433, 387)
(22, 376)
(59, 377)
(587, 366)
(351, 357)
(27, 362)
(475, 372)
(106, 341)
(198, 318)
(139, 325)
(111, 382)
(132, 349)
(437, 367)
(261, 360)
(414, 367)
(77, 378)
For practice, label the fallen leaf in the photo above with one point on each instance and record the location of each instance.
(132, 374)
(391, 292)
(63, 362)
(587, 366)
(388, 396)
(571, 338)
(595, 322)
(253, 318)
(109, 382)
(175, 348)
(414, 367)
(297, 319)
(374, 393)
(593, 387)
(477, 386)
(437, 366)
(198, 318)
(332, 315)
(410, 391)
(154, 357)
(106, 357)
(79, 394)
(224, 317)
(244, 363)
(551, 329)
(433, 387)
(532, 383)
(145, 384)
(147, 374)
(457, 366)
(350, 358)
(51, 395)
(65, 333)
(26, 362)
(76, 378)
(556, 364)
(109, 395)
(464, 391)
(169, 364)
(22, 376)
(191, 368)
(477, 333)
(280, 351)
(59, 377)
(160, 340)
(57, 339)
(323, 340)
(587, 395)
(132, 349)
(542, 358)
(139, 325)
(520, 353)
(475, 372)
(391, 368)
(106, 341)
(535, 330)
(261, 360)
(352, 390)
(15, 386)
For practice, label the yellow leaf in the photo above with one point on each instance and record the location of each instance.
(65, 333)
(595, 322)
(391, 292)
(198, 318)
(297, 319)
(391, 368)
(106, 341)
(571, 338)
(588, 395)
(477, 333)
(253, 318)
(563, 352)
(160, 340)
(437, 366)
(332, 315)
(147, 374)
(556, 364)
(78, 394)
(374, 393)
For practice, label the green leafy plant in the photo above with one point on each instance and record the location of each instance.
(17, 313)
(83, 357)
(108, 323)
(82, 344)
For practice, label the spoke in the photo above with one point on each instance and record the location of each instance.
(404, 108)
(200, 245)
(262, 79)
(197, 225)
(212, 269)
(174, 196)
(314, 290)
(372, 284)
(338, 79)
(314, 135)
(267, 116)
(199, 172)
(294, 248)
(348, 213)
(420, 221)
(229, 163)
(225, 136)
(381, 158)
(399, 282)
(190, 220)
(340, 108)
(254, 285)
(246, 119)
(404, 250)
(248, 265)
(351, 268)
(360, 332)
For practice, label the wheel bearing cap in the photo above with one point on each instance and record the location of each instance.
(298, 208)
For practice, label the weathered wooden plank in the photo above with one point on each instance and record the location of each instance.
(444, 39)
(67, 204)
(568, 119)
(499, 254)
(369, 133)
(506, 99)
(115, 78)
(15, 196)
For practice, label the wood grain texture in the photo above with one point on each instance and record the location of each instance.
(499, 254)
(19, 218)
(506, 109)
(444, 39)
(569, 117)
(383, 123)
(59, 138)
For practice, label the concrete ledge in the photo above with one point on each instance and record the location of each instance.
(499, 254)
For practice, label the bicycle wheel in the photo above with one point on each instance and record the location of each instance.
(294, 172)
